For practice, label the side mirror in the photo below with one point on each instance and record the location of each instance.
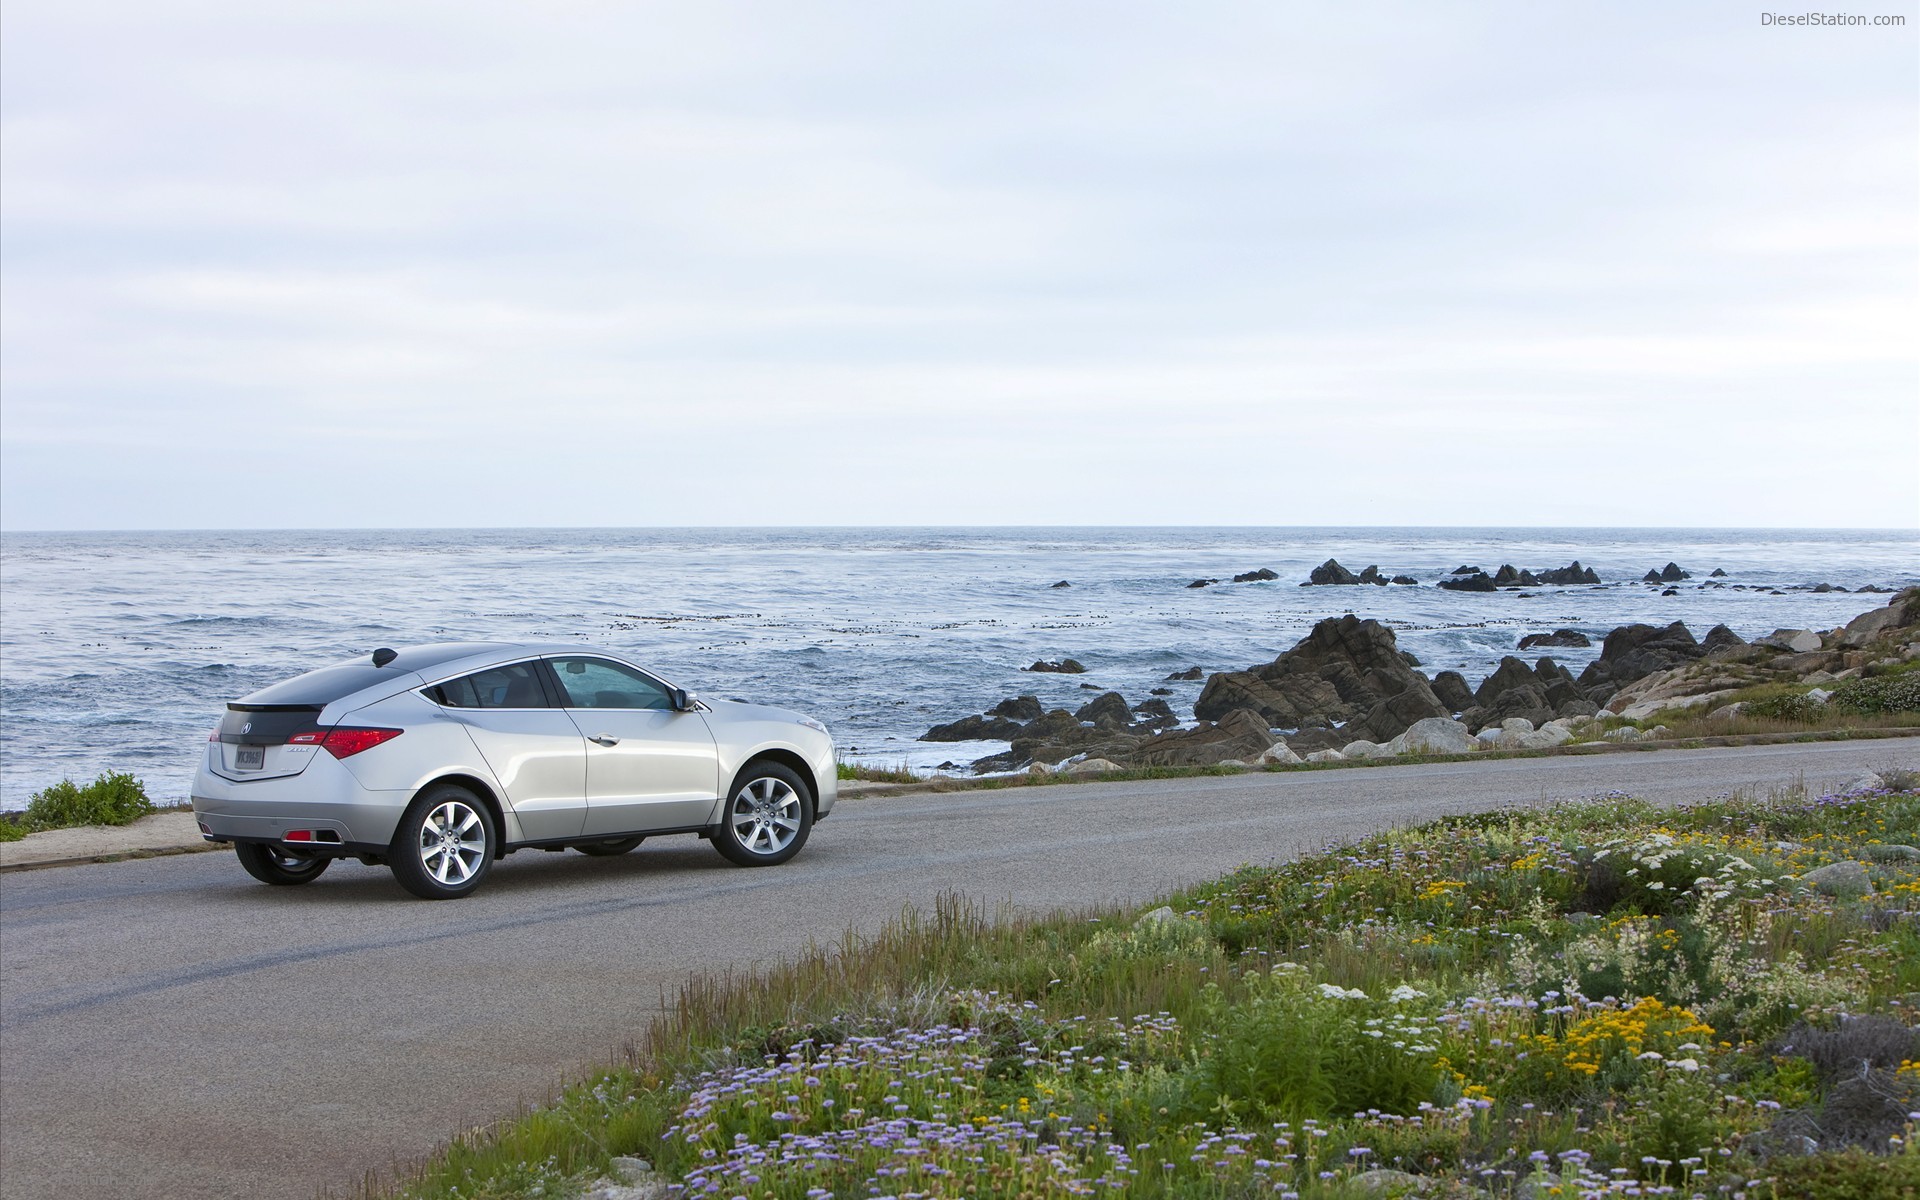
(684, 700)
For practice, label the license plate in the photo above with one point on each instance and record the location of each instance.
(249, 758)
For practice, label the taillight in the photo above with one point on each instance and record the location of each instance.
(344, 743)
(311, 738)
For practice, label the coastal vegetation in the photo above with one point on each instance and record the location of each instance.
(115, 798)
(1598, 999)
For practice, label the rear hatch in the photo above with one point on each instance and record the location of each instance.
(267, 741)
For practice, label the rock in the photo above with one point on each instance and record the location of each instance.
(1726, 712)
(1717, 573)
(1435, 735)
(1019, 708)
(1819, 695)
(1626, 733)
(1405, 580)
(1671, 573)
(1671, 592)
(1092, 766)
(1331, 572)
(1510, 576)
(1110, 709)
(1545, 738)
(1320, 756)
(1363, 749)
(1164, 915)
(1372, 575)
(1189, 674)
(1450, 687)
(1200, 583)
(1469, 571)
(1721, 638)
(1901, 612)
(974, 729)
(1559, 637)
(1794, 641)
(632, 1170)
(1062, 583)
(1240, 734)
(1279, 754)
(1346, 670)
(1480, 581)
(1382, 1181)
(1570, 575)
(1153, 708)
(1842, 879)
(1260, 576)
(1635, 651)
(1159, 691)
(1064, 666)
(1891, 852)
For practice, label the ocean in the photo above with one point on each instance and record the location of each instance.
(118, 650)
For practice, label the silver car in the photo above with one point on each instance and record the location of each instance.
(436, 760)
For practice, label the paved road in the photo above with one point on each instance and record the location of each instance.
(170, 1028)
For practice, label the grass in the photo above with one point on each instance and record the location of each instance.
(1605, 998)
(864, 773)
(115, 798)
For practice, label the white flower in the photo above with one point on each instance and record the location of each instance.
(1656, 886)
(1334, 991)
(1404, 993)
(1652, 1056)
(1686, 1064)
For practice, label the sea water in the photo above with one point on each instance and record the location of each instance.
(118, 650)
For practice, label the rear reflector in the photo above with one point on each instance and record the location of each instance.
(342, 742)
(297, 835)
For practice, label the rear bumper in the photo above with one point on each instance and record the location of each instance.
(323, 797)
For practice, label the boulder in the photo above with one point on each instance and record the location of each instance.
(1510, 576)
(1363, 749)
(1064, 666)
(1510, 674)
(1559, 637)
(1153, 708)
(1372, 575)
(1545, 738)
(1240, 734)
(1062, 583)
(1671, 573)
(1794, 641)
(1635, 651)
(1721, 638)
(1405, 580)
(1019, 708)
(1479, 581)
(1092, 766)
(1331, 572)
(1159, 691)
(1200, 583)
(1435, 735)
(1468, 571)
(1320, 756)
(1450, 687)
(1279, 754)
(975, 729)
(1843, 879)
(1260, 576)
(1898, 617)
(1345, 670)
(1191, 673)
(1109, 709)
(1570, 575)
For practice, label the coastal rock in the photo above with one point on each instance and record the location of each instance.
(1363, 749)
(1405, 580)
(1463, 570)
(1320, 756)
(1200, 583)
(1240, 734)
(1479, 581)
(974, 729)
(1842, 879)
(1510, 576)
(1191, 673)
(1153, 709)
(1064, 666)
(1794, 641)
(1372, 575)
(1260, 576)
(1450, 687)
(1671, 573)
(1062, 584)
(1559, 637)
(1345, 670)
(1721, 638)
(1279, 754)
(1717, 573)
(1570, 575)
(1019, 708)
(1331, 572)
(1635, 651)
(1435, 735)
(1109, 710)
(1092, 766)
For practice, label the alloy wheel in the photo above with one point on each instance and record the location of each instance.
(766, 815)
(453, 843)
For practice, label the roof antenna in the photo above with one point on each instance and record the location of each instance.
(383, 656)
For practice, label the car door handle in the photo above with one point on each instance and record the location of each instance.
(605, 739)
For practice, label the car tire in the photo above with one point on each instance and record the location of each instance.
(445, 844)
(766, 818)
(609, 849)
(283, 868)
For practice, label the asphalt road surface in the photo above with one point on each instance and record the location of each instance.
(168, 1027)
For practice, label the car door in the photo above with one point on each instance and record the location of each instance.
(535, 750)
(648, 766)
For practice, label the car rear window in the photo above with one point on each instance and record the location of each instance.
(326, 685)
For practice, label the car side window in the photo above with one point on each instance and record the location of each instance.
(513, 686)
(597, 683)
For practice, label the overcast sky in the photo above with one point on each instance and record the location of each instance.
(1281, 263)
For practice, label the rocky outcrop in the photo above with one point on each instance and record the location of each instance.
(1671, 573)
(1191, 673)
(1452, 690)
(1346, 670)
(1107, 711)
(1064, 666)
(974, 729)
(1200, 583)
(1019, 708)
(1559, 638)
(1062, 584)
(1239, 735)
(1570, 575)
(1479, 581)
(1538, 694)
(1721, 638)
(1405, 581)
(1260, 576)
(1635, 651)
(1510, 576)
(1331, 572)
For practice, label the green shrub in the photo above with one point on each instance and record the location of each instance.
(1879, 694)
(11, 830)
(115, 798)
(1853, 1175)
(1791, 707)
